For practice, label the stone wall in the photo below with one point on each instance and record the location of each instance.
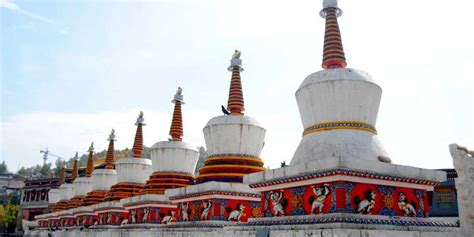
(273, 232)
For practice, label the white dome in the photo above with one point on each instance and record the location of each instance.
(234, 134)
(67, 191)
(82, 185)
(174, 156)
(338, 95)
(341, 94)
(103, 179)
(133, 170)
(54, 195)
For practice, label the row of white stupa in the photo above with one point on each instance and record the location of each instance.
(235, 134)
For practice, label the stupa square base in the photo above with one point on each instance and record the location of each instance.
(110, 214)
(61, 205)
(159, 182)
(215, 201)
(66, 219)
(149, 209)
(123, 190)
(85, 216)
(345, 186)
(76, 201)
(94, 197)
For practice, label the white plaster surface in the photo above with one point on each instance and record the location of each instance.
(54, 195)
(133, 170)
(340, 94)
(103, 179)
(174, 156)
(234, 134)
(348, 163)
(354, 144)
(67, 191)
(109, 205)
(333, 95)
(144, 198)
(87, 209)
(82, 185)
(210, 186)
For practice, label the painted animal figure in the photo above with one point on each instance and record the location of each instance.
(237, 214)
(124, 222)
(145, 214)
(184, 211)
(109, 218)
(205, 211)
(276, 199)
(168, 218)
(408, 208)
(366, 205)
(321, 193)
(134, 216)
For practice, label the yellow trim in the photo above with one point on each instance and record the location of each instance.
(367, 127)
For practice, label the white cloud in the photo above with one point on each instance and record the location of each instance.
(15, 7)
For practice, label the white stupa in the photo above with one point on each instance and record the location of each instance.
(234, 141)
(103, 179)
(338, 108)
(132, 172)
(173, 159)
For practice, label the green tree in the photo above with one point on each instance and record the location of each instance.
(24, 172)
(8, 216)
(14, 198)
(57, 167)
(45, 170)
(3, 168)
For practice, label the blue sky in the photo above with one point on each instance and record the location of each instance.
(72, 70)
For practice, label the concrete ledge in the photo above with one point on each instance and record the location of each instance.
(210, 186)
(341, 162)
(144, 198)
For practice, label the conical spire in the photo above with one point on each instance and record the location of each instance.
(333, 54)
(90, 161)
(109, 158)
(176, 130)
(62, 176)
(235, 103)
(75, 168)
(138, 143)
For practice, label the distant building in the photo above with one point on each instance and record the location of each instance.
(8, 185)
(34, 197)
(34, 192)
(443, 200)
